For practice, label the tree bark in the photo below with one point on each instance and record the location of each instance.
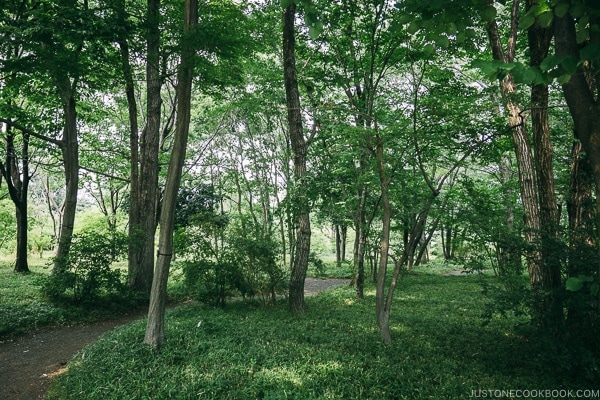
(299, 147)
(18, 184)
(155, 328)
(69, 147)
(584, 109)
(548, 304)
(383, 307)
(140, 273)
(134, 227)
(523, 153)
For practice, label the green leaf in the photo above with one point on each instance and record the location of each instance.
(413, 27)
(577, 10)
(488, 14)
(582, 35)
(428, 49)
(285, 3)
(569, 64)
(526, 21)
(545, 18)
(491, 69)
(442, 41)
(591, 52)
(315, 30)
(573, 284)
(565, 78)
(550, 62)
(562, 9)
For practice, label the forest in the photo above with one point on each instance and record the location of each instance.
(239, 144)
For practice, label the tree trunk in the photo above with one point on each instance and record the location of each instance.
(134, 227)
(383, 307)
(547, 286)
(509, 255)
(140, 273)
(338, 245)
(361, 242)
(523, 153)
(18, 183)
(70, 152)
(580, 210)
(584, 109)
(155, 327)
(298, 144)
(344, 235)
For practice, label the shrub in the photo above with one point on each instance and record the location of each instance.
(85, 273)
(239, 265)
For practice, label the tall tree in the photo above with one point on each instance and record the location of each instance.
(155, 327)
(299, 147)
(546, 286)
(143, 225)
(578, 46)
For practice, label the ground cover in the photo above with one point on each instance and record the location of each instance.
(24, 308)
(441, 350)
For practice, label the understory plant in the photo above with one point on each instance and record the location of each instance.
(86, 273)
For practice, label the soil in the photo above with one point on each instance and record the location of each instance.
(28, 364)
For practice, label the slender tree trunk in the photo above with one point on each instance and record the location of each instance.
(383, 307)
(361, 243)
(298, 144)
(338, 245)
(509, 255)
(134, 226)
(70, 152)
(344, 236)
(140, 274)
(155, 328)
(18, 183)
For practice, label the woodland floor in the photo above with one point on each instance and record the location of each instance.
(28, 364)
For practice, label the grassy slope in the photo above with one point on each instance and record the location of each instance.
(441, 350)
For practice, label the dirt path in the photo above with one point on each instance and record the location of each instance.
(28, 364)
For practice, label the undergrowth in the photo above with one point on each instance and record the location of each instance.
(441, 350)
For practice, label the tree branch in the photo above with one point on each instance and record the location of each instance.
(28, 131)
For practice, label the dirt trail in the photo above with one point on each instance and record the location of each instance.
(28, 363)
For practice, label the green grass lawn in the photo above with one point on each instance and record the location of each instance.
(441, 350)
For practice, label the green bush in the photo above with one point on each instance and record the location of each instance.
(86, 273)
(211, 281)
(240, 264)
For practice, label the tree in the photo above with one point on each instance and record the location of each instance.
(576, 45)
(17, 180)
(155, 327)
(299, 146)
(143, 224)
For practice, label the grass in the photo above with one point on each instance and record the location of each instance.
(441, 350)
(23, 308)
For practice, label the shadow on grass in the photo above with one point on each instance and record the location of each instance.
(441, 350)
